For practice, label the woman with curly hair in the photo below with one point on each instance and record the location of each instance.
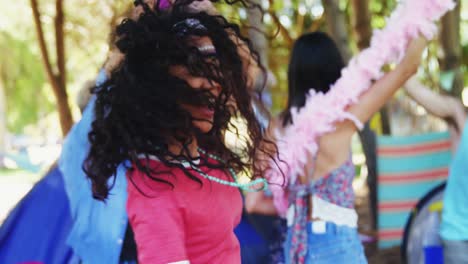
(163, 113)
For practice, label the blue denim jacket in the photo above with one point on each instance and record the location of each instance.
(99, 228)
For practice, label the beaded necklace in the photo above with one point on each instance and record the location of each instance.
(243, 186)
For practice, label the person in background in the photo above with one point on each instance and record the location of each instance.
(322, 200)
(446, 107)
(454, 225)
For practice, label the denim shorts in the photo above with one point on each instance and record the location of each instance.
(335, 245)
(455, 252)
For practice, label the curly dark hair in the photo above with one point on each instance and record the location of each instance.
(137, 110)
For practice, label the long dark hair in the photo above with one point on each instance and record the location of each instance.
(315, 63)
(138, 111)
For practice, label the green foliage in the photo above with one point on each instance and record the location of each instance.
(88, 26)
(380, 10)
(87, 35)
(23, 78)
(465, 55)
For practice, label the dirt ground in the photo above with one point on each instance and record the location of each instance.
(374, 255)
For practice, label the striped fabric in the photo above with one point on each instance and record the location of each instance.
(408, 168)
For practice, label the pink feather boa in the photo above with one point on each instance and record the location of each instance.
(322, 111)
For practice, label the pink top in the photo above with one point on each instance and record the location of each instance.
(190, 222)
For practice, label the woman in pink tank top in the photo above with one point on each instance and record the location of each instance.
(164, 112)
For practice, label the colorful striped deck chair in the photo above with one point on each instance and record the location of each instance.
(408, 167)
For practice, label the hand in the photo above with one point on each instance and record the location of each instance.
(417, 46)
(414, 53)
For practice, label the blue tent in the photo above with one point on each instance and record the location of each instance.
(37, 228)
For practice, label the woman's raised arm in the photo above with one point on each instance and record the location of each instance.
(383, 89)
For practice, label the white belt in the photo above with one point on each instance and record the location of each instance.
(330, 212)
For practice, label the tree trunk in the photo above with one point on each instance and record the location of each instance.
(385, 120)
(362, 23)
(3, 129)
(363, 31)
(451, 49)
(369, 146)
(257, 31)
(337, 27)
(57, 80)
(283, 30)
(258, 38)
(60, 43)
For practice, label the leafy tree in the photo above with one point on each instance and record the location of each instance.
(23, 81)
